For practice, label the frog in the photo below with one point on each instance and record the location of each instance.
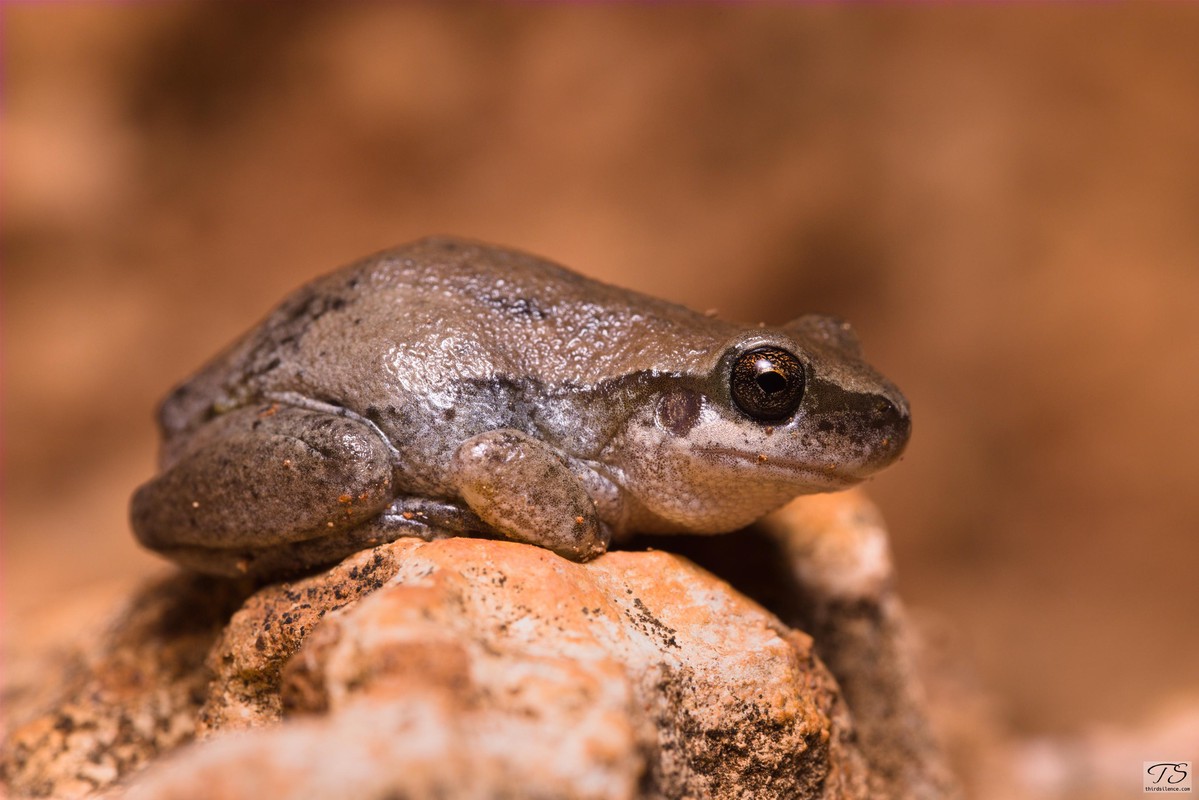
(453, 388)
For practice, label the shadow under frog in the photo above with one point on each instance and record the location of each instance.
(453, 388)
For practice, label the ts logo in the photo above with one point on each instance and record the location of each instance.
(1167, 776)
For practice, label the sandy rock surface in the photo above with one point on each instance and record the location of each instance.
(490, 668)
(468, 668)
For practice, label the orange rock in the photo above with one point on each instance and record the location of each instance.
(468, 667)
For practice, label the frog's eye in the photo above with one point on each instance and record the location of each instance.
(767, 383)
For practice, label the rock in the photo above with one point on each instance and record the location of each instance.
(124, 701)
(468, 668)
(247, 659)
(823, 564)
(488, 668)
(837, 551)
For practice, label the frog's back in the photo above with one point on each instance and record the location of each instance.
(409, 322)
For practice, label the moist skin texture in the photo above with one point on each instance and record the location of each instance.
(449, 387)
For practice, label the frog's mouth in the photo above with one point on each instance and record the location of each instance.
(824, 477)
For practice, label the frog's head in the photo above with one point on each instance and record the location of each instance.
(777, 413)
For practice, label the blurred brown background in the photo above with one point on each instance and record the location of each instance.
(1005, 201)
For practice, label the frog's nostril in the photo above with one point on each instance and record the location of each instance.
(894, 422)
(901, 422)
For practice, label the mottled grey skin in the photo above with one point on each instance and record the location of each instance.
(448, 387)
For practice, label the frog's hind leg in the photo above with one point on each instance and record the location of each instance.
(268, 490)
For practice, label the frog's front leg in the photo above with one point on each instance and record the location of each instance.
(259, 480)
(527, 491)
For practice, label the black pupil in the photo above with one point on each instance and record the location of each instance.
(770, 380)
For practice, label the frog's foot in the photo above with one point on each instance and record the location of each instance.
(413, 517)
(287, 560)
(427, 519)
(527, 491)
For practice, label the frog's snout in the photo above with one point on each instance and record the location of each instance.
(892, 422)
